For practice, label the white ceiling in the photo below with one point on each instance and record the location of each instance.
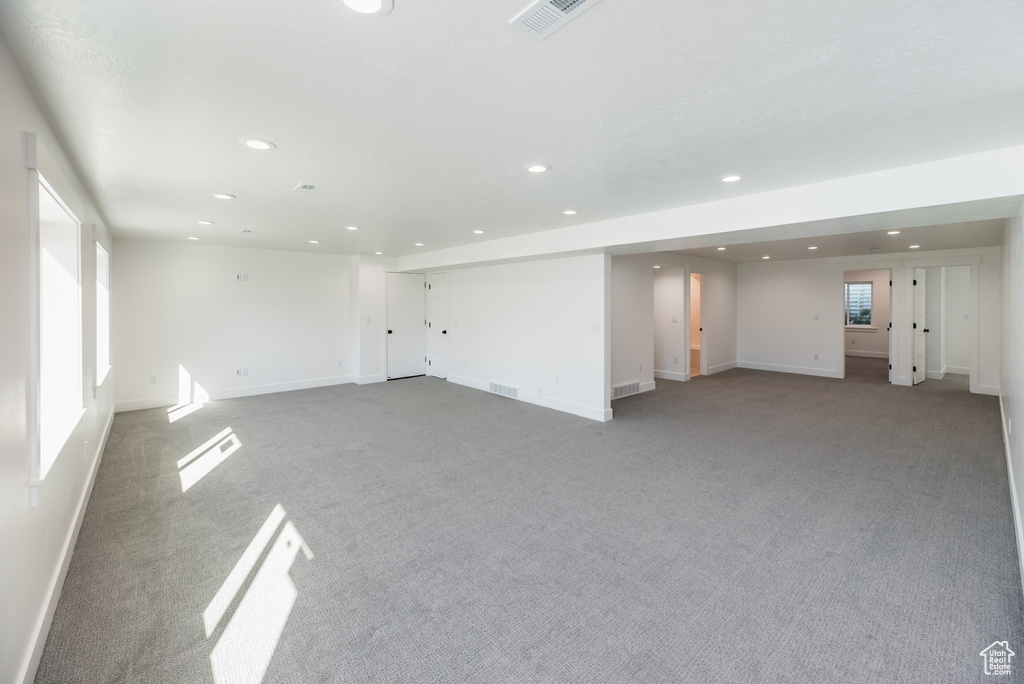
(418, 125)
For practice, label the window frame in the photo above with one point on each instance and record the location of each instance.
(871, 303)
(103, 366)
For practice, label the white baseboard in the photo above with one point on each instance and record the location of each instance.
(599, 414)
(42, 627)
(370, 379)
(992, 390)
(1014, 502)
(957, 370)
(236, 392)
(868, 354)
(799, 370)
(935, 375)
(670, 375)
(646, 386)
(722, 367)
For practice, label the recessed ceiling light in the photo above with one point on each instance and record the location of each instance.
(731, 178)
(538, 168)
(245, 230)
(766, 257)
(257, 144)
(314, 242)
(380, 7)
(193, 238)
(205, 223)
(657, 266)
(812, 247)
(479, 232)
(721, 249)
(378, 253)
(570, 212)
(915, 246)
(894, 232)
(352, 227)
(223, 195)
(419, 244)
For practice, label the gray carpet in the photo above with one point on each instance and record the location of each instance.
(741, 527)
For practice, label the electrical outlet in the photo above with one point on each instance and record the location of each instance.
(675, 359)
(596, 327)
(675, 319)
(556, 379)
(238, 372)
(815, 356)
(339, 363)
(152, 379)
(641, 368)
(815, 316)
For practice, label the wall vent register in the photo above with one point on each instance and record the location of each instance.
(504, 390)
(625, 390)
(544, 17)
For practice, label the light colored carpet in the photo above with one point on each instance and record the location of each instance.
(741, 527)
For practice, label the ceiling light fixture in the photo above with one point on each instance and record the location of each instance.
(570, 212)
(257, 144)
(657, 266)
(245, 230)
(721, 249)
(538, 168)
(223, 195)
(419, 244)
(812, 247)
(193, 238)
(378, 253)
(352, 227)
(314, 242)
(915, 246)
(731, 178)
(378, 7)
(479, 232)
(894, 232)
(205, 223)
(766, 257)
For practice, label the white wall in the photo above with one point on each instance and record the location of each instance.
(670, 324)
(872, 341)
(181, 304)
(633, 321)
(1012, 366)
(36, 543)
(934, 364)
(539, 326)
(956, 332)
(785, 337)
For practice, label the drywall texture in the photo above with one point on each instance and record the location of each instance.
(538, 326)
(872, 340)
(35, 542)
(633, 321)
(1012, 366)
(280, 317)
(790, 311)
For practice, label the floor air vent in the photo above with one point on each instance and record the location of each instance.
(544, 17)
(505, 390)
(625, 390)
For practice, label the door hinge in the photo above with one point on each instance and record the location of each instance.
(890, 283)
(915, 281)
(915, 369)
(430, 363)
(890, 366)
(430, 325)
(915, 326)
(428, 287)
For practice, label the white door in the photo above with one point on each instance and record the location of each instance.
(920, 345)
(892, 337)
(437, 325)
(406, 336)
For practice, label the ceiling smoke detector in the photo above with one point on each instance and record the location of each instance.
(305, 188)
(544, 17)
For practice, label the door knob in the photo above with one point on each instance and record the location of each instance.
(927, 330)
(444, 332)
(389, 332)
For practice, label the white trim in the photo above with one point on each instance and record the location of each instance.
(935, 375)
(1018, 526)
(370, 379)
(799, 370)
(42, 627)
(992, 390)
(671, 375)
(646, 386)
(599, 414)
(722, 367)
(235, 393)
(957, 370)
(862, 328)
(868, 354)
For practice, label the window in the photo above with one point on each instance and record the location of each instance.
(60, 326)
(858, 303)
(102, 314)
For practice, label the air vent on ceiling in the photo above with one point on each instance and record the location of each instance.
(305, 188)
(504, 390)
(625, 390)
(544, 17)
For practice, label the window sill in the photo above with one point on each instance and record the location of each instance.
(862, 328)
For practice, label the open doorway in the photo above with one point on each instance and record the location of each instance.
(948, 315)
(867, 321)
(696, 327)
